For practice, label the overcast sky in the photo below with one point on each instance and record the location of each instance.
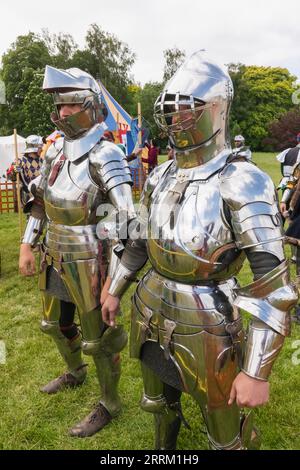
(249, 31)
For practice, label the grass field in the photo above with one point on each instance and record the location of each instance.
(31, 420)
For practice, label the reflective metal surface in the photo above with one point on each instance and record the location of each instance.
(33, 231)
(193, 109)
(74, 197)
(191, 241)
(74, 149)
(72, 200)
(243, 152)
(270, 299)
(192, 308)
(103, 345)
(263, 347)
(121, 278)
(69, 350)
(200, 346)
(250, 195)
(56, 79)
(74, 86)
(109, 166)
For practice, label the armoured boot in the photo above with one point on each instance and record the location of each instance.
(66, 380)
(167, 426)
(164, 402)
(70, 350)
(92, 423)
(248, 438)
(108, 372)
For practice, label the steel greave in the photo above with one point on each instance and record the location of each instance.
(70, 350)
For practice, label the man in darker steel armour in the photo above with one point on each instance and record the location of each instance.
(80, 173)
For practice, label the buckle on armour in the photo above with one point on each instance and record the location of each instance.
(145, 328)
(167, 339)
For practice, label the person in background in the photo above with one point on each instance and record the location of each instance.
(108, 135)
(287, 159)
(55, 135)
(29, 165)
(240, 148)
(290, 207)
(153, 152)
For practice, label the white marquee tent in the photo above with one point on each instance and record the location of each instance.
(7, 152)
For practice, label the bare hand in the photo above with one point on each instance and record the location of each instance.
(249, 392)
(104, 291)
(110, 310)
(282, 207)
(26, 260)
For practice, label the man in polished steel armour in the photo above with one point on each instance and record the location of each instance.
(201, 216)
(81, 172)
(290, 209)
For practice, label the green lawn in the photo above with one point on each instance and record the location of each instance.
(32, 420)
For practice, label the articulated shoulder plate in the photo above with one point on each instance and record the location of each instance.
(250, 195)
(108, 165)
(241, 183)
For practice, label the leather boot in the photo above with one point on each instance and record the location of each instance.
(66, 380)
(92, 423)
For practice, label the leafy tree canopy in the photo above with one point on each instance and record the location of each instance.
(105, 57)
(283, 131)
(262, 94)
(174, 57)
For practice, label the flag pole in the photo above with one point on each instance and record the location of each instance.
(18, 184)
(140, 167)
(118, 128)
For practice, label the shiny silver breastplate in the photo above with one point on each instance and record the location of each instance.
(189, 239)
(73, 197)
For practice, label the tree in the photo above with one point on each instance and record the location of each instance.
(61, 46)
(134, 95)
(27, 55)
(262, 94)
(147, 97)
(110, 60)
(104, 57)
(173, 59)
(37, 108)
(283, 131)
(235, 130)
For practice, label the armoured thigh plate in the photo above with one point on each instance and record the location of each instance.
(196, 328)
(189, 239)
(71, 245)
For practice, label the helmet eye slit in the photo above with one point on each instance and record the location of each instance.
(177, 112)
